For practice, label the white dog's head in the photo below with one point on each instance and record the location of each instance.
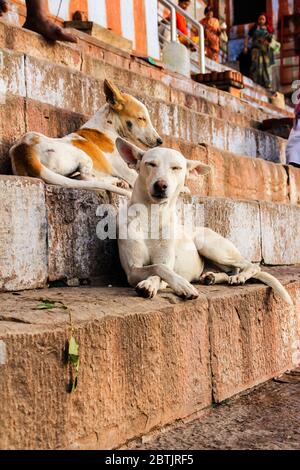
(134, 121)
(161, 171)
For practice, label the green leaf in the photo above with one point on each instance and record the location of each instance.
(74, 384)
(47, 304)
(73, 347)
(73, 359)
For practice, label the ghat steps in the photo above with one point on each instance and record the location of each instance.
(143, 364)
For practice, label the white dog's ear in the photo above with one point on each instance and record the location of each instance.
(196, 168)
(113, 96)
(129, 152)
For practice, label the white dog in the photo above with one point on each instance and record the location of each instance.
(151, 263)
(91, 150)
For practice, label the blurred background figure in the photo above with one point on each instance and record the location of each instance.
(293, 145)
(223, 43)
(262, 55)
(212, 33)
(181, 24)
(244, 60)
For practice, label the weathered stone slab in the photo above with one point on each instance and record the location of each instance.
(103, 34)
(52, 121)
(61, 87)
(240, 177)
(23, 257)
(12, 126)
(33, 44)
(294, 184)
(280, 231)
(253, 338)
(237, 221)
(12, 73)
(74, 249)
(156, 361)
(143, 365)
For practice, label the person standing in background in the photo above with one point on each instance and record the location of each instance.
(262, 56)
(181, 25)
(223, 43)
(293, 145)
(212, 33)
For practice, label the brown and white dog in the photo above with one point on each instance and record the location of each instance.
(91, 151)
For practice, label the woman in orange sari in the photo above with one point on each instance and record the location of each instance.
(212, 33)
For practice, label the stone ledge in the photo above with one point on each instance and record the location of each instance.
(58, 86)
(144, 363)
(23, 234)
(55, 229)
(77, 57)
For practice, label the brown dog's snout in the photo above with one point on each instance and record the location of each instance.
(160, 187)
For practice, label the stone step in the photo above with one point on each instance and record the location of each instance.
(143, 364)
(99, 59)
(233, 176)
(251, 89)
(240, 177)
(73, 91)
(50, 234)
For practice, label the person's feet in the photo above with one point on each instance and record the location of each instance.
(3, 7)
(48, 29)
(40, 24)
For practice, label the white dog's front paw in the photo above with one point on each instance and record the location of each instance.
(146, 289)
(237, 280)
(185, 290)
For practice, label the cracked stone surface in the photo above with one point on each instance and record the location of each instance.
(268, 418)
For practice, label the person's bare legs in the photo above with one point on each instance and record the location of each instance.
(36, 20)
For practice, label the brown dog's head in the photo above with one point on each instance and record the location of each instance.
(134, 120)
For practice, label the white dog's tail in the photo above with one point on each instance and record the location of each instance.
(271, 281)
(53, 178)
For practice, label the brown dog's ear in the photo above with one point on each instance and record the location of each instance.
(196, 168)
(113, 96)
(129, 152)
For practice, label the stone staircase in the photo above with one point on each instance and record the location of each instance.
(144, 363)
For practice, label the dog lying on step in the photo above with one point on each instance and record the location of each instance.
(152, 263)
(91, 150)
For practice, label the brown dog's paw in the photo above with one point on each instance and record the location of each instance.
(122, 184)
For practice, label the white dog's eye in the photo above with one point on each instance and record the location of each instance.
(141, 119)
(152, 164)
(176, 168)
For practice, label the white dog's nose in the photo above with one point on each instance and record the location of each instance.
(160, 187)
